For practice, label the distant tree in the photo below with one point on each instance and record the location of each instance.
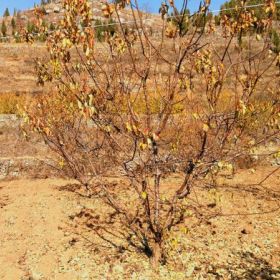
(6, 13)
(217, 20)
(4, 29)
(101, 28)
(52, 27)
(18, 17)
(210, 16)
(278, 12)
(275, 39)
(200, 20)
(43, 10)
(31, 28)
(14, 25)
(256, 9)
(111, 28)
(180, 20)
(228, 8)
(15, 12)
(44, 23)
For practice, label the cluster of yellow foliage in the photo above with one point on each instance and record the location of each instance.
(11, 103)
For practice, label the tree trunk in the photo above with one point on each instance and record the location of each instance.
(156, 256)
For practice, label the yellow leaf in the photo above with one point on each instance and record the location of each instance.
(61, 163)
(134, 128)
(66, 43)
(92, 110)
(205, 127)
(87, 51)
(128, 127)
(144, 195)
(155, 137)
(277, 155)
(252, 142)
(108, 128)
(229, 167)
(242, 107)
(184, 230)
(143, 146)
(150, 142)
(195, 116)
(47, 131)
(80, 105)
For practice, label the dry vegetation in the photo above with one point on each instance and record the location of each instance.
(169, 150)
(11, 103)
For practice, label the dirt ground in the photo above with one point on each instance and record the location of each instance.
(40, 240)
(17, 68)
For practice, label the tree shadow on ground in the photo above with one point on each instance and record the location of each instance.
(251, 267)
(103, 233)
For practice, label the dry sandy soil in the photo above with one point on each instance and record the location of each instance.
(42, 238)
(17, 67)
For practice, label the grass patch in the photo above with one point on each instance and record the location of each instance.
(11, 103)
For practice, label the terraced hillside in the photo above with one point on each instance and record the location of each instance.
(17, 73)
